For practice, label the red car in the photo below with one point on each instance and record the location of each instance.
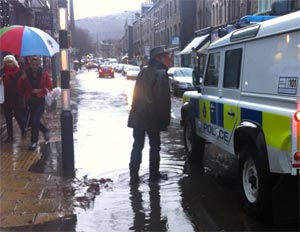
(106, 71)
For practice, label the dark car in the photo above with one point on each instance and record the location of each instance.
(106, 70)
(180, 80)
(91, 65)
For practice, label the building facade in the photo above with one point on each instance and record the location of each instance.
(175, 23)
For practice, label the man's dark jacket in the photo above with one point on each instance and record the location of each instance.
(151, 104)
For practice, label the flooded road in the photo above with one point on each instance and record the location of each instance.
(103, 145)
(194, 198)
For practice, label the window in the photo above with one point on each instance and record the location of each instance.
(232, 70)
(212, 73)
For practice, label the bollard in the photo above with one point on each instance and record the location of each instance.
(67, 141)
(66, 119)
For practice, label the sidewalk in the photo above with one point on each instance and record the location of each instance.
(32, 191)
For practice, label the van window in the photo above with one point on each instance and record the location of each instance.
(232, 68)
(212, 73)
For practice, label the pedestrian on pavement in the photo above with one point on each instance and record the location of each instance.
(40, 83)
(150, 112)
(14, 91)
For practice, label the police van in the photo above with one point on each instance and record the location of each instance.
(249, 106)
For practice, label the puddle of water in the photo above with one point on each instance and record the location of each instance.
(103, 146)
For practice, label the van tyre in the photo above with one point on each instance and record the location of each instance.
(193, 144)
(255, 186)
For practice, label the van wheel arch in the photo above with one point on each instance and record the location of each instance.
(252, 134)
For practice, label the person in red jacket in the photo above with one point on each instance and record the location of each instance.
(14, 91)
(39, 83)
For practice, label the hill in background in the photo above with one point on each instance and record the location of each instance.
(109, 27)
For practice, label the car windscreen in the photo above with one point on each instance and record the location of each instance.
(183, 72)
(134, 69)
(106, 66)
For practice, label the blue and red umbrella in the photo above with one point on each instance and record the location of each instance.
(27, 41)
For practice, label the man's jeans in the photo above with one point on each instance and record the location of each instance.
(18, 114)
(136, 153)
(36, 113)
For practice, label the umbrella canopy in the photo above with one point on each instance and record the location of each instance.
(27, 41)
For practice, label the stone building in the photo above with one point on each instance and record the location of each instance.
(176, 23)
(167, 22)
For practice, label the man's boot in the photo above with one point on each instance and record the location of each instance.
(154, 169)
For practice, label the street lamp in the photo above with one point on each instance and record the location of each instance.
(66, 119)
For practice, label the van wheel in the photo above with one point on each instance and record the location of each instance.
(193, 144)
(255, 186)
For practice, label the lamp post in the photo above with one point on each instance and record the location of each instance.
(66, 119)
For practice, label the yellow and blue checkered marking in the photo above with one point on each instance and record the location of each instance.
(276, 127)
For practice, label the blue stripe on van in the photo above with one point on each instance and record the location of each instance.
(252, 115)
(213, 112)
(220, 115)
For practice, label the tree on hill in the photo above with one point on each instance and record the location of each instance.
(83, 42)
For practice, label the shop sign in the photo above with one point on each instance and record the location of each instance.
(44, 20)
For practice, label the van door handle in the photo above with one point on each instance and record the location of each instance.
(231, 113)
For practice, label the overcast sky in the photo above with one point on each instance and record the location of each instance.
(90, 8)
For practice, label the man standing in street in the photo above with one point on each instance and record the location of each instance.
(150, 112)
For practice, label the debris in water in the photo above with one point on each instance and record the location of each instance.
(91, 188)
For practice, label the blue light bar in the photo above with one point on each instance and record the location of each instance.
(254, 18)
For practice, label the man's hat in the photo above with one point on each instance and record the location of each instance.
(157, 51)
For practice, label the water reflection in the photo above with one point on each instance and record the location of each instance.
(142, 220)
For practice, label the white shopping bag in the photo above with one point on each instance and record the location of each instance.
(52, 96)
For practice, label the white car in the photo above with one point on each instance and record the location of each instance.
(132, 72)
(180, 80)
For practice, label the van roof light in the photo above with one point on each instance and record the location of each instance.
(245, 33)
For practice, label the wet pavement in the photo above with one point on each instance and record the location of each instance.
(34, 196)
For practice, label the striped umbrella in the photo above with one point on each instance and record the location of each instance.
(27, 41)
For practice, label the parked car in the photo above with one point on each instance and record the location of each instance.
(91, 65)
(180, 80)
(119, 68)
(106, 70)
(125, 69)
(132, 72)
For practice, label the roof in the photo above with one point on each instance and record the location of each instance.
(273, 26)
